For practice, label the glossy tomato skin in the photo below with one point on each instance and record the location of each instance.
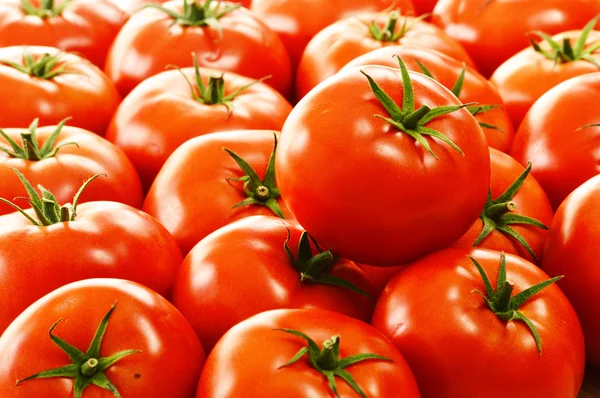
(446, 71)
(380, 276)
(64, 173)
(85, 27)
(481, 25)
(161, 114)
(214, 293)
(149, 42)
(424, 6)
(107, 239)
(530, 201)
(253, 350)
(193, 196)
(571, 250)
(526, 76)
(563, 156)
(168, 365)
(370, 193)
(340, 43)
(85, 93)
(298, 21)
(432, 315)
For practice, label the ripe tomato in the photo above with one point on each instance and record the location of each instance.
(153, 351)
(424, 6)
(383, 191)
(572, 250)
(433, 314)
(44, 83)
(214, 293)
(380, 276)
(196, 191)
(557, 137)
(79, 155)
(472, 87)
(493, 31)
(523, 78)
(259, 349)
(96, 239)
(165, 111)
(516, 218)
(298, 21)
(340, 43)
(85, 27)
(237, 42)
(132, 6)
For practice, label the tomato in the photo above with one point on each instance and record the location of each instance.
(79, 155)
(457, 346)
(571, 250)
(340, 43)
(489, 110)
(237, 42)
(196, 191)
(85, 27)
(53, 87)
(383, 191)
(214, 293)
(165, 111)
(159, 354)
(516, 218)
(134, 5)
(380, 276)
(558, 138)
(424, 6)
(493, 31)
(523, 78)
(298, 21)
(95, 239)
(258, 349)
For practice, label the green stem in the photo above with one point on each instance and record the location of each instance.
(263, 193)
(90, 367)
(496, 211)
(411, 121)
(503, 303)
(327, 358)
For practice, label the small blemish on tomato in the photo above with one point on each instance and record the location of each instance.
(137, 375)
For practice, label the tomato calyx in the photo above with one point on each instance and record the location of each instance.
(195, 14)
(46, 207)
(314, 268)
(47, 9)
(498, 215)
(44, 67)
(408, 120)
(259, 192)
(30, 149)
(565, 52)
(86, 368)
(327, 360)
(388, 32)
(501, 303)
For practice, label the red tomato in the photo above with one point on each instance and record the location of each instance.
(164, 112)
(249, 361)
(85, 27)
(298, 21)
(517, 215)
(493, 31)
(380, 276)
(165, 361)
(433, 314)
(194, 193)
(489, 110)
(572, 250)
(214, 293)
(556, 139)
(80, 155)
(152, 40)
(375, 190)
(522, 79)
(134, 5)
(340, 43)
(73, 88)
(424, 6)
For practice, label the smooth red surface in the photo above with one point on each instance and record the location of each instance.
(107, 239)
(370, 192)
(572, 250)
(246, 361)
(380, 276)
(85, 93)
(242, 269)
(457, 347)
(64, 173)
(168, 365)
(563, 156)
(424, 6)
